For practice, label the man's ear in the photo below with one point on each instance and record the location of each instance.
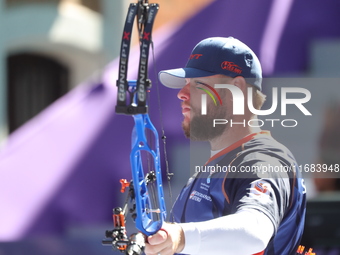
(241, 83)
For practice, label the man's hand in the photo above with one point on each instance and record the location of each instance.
(167, 241)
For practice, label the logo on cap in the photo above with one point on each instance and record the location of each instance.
(231, 66)
(195, 56)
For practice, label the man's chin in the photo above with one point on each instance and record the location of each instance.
(186, 129)
(201, 129)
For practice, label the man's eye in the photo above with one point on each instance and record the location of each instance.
(198, 83)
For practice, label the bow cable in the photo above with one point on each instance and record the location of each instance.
(169, 175)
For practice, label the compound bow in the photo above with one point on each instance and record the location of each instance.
(148, 211)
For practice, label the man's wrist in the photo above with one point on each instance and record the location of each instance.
(181, 241)
(191, 238)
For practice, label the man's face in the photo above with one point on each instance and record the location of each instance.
(195, 125)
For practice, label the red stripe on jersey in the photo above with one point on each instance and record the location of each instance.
(260, 253)
(237, 144)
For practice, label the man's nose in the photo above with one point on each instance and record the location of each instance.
(184, 93)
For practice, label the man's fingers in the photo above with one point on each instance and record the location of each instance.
(153, 250)
(158, 238)
(156, 243)
(167, 241)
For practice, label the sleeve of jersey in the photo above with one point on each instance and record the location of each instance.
(265, 187)
(245, 232)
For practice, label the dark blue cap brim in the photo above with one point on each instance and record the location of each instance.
(175, 78)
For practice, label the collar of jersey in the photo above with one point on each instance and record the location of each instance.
(238, 144)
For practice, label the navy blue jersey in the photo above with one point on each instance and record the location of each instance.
(255, 173)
